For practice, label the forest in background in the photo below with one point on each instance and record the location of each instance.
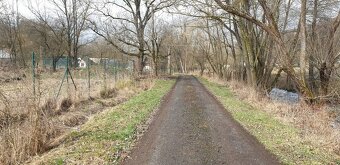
(262, 43)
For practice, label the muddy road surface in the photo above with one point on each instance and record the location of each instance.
(192, 128)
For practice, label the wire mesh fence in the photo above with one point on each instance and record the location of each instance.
(85, 81)
(95, 74)
(33, 100)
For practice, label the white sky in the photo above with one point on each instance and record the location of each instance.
(22, 7)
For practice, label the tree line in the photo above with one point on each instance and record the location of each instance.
(251, 40)
(257, 42)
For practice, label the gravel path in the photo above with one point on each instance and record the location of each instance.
(192, 127)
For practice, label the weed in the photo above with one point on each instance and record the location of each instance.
(66, 104)
(58, 161)
(108, 93)
(49, 108)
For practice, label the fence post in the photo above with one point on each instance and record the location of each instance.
(67, 63)
(88, 77)
(104, 65)
(33, 72)
(115, 70)
(61, 84)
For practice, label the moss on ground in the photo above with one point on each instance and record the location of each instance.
(282, 140)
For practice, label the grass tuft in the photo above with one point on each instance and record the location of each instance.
(65, 104)
(108, 93)
(49, 108)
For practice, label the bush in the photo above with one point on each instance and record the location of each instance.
(48, 109)
(65, 105)
(108, 93)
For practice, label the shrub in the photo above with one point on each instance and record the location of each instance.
(108, 93)
(65, 105)
(49, 108)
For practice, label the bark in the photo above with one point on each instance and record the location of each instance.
(202, 68)
(169, 61)
(54, 63)
(325, 75)
(303, 40)
(311, 60)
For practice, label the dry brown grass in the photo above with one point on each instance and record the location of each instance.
(108, 93)
(65, 104)
(32, 125)
(314, 122)
(96, 142)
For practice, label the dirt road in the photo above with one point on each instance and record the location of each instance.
(192, 127)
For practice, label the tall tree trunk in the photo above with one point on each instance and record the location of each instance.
(303, 53)
(303, 40)
(156, 69)
(311, 77)
(54, 63)
(235, 66)
(325, 75)
(141, 60)
(327, 67)
(155, 63)
(140, 66)
(169, 61)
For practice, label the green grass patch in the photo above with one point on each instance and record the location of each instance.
(282, 140)
(104, 137)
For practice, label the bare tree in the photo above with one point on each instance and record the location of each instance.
(159, 35)
(125, 27)
(71, 16)
(247, 43)
(12, 38)
(303, 39)
(269, 36)
(271, 27)
(52, 33)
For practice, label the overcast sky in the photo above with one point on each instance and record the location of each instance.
(22, 7)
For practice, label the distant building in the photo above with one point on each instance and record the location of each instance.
(147, 68)
(337, 64)
(82, 63)
(5, 60)
(4, 54)
(98, 60)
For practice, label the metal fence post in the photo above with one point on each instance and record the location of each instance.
(104, 65)
(115, 71)
(88, 77)
(67, 63)
(33, 72)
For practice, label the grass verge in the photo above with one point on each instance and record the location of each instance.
(282, 140)
(105, 137)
